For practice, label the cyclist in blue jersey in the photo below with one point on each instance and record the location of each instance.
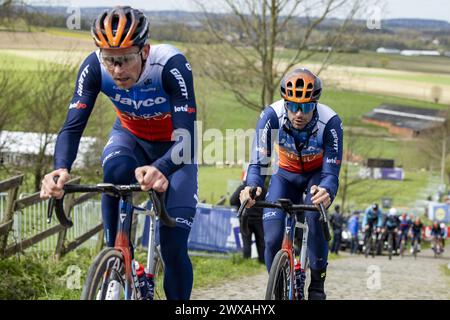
(152, 140)
(390, 225)
(416, 233)
(372, 220)
(305, 139)
(403, 229)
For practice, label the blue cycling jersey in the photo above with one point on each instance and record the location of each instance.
(160, 102)
(297, 152)
(372, 218)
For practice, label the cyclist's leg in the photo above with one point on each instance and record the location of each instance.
(118, 162)
(178, 274)
(273, 219)
(317, 246)
(181, 202)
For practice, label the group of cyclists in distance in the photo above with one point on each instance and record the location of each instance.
(405, 230)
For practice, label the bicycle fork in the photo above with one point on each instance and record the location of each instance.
(123, 244)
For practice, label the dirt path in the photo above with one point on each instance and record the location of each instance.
(358, 278)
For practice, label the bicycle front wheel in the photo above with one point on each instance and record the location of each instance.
(281, 283)
(105, 279)
(159, 293)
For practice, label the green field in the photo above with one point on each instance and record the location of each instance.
(217, 108)
(373, 59)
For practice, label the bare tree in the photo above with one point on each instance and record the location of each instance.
(436, 93)
(246, 59)
(348, 181)
(45, 107)
(12, 92)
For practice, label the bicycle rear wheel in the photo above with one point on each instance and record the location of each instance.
(105, 279)
(368, 245)
(281, 283)
(159, 293)
(390, 245)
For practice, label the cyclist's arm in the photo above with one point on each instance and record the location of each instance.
(262, 148)
(178, 82)
(332, 156)
(87, 87)
(380, 219)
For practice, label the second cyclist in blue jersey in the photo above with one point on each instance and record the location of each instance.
(151, 89)
(302, 139)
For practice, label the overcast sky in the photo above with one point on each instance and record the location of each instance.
(425, 9)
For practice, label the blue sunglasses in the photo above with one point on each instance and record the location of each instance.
(304, 107)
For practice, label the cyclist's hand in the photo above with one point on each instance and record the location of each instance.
(151, 178)
(245, 194)
(378, 230)
(51, 189)
(366, 228)
(320, 195)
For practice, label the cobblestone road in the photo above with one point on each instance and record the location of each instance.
(356, 277)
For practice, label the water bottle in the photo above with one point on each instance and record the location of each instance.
(150, 284)
(300, 277)
(143, 283)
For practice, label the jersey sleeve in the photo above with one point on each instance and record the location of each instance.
(87, 87)
(332, 156)
(178, 82)
(262, 148)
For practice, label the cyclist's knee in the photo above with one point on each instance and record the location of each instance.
(119, 169)
(273, 235)
(173, 243)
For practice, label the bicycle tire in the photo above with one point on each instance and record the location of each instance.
(373, 247)
(280, 272)
(307, 278)
(159, 293)
(105, 261)
(367, 247)
(390, 245)
(402, 248)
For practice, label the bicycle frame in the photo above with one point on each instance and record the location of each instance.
(123, 244)
(288, 246)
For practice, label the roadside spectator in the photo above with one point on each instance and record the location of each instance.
(337, 223)
(353, 227)
(255, 225)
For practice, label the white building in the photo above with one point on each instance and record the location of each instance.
(20, 148)
(388, 50)
(411, 53)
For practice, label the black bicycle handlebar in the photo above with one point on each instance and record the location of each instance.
(287, 206)
(157, 198)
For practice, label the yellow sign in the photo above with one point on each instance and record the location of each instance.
(439, 214)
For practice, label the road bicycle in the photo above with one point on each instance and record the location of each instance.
(390, 242)
(402, 246)
(282, 284)
(112, 275)
(415, 245)
(437, 246)
(370, 242)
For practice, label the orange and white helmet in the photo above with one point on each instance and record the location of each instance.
(120, 27)
(301, 86)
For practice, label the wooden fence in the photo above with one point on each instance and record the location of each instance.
(14, 206)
